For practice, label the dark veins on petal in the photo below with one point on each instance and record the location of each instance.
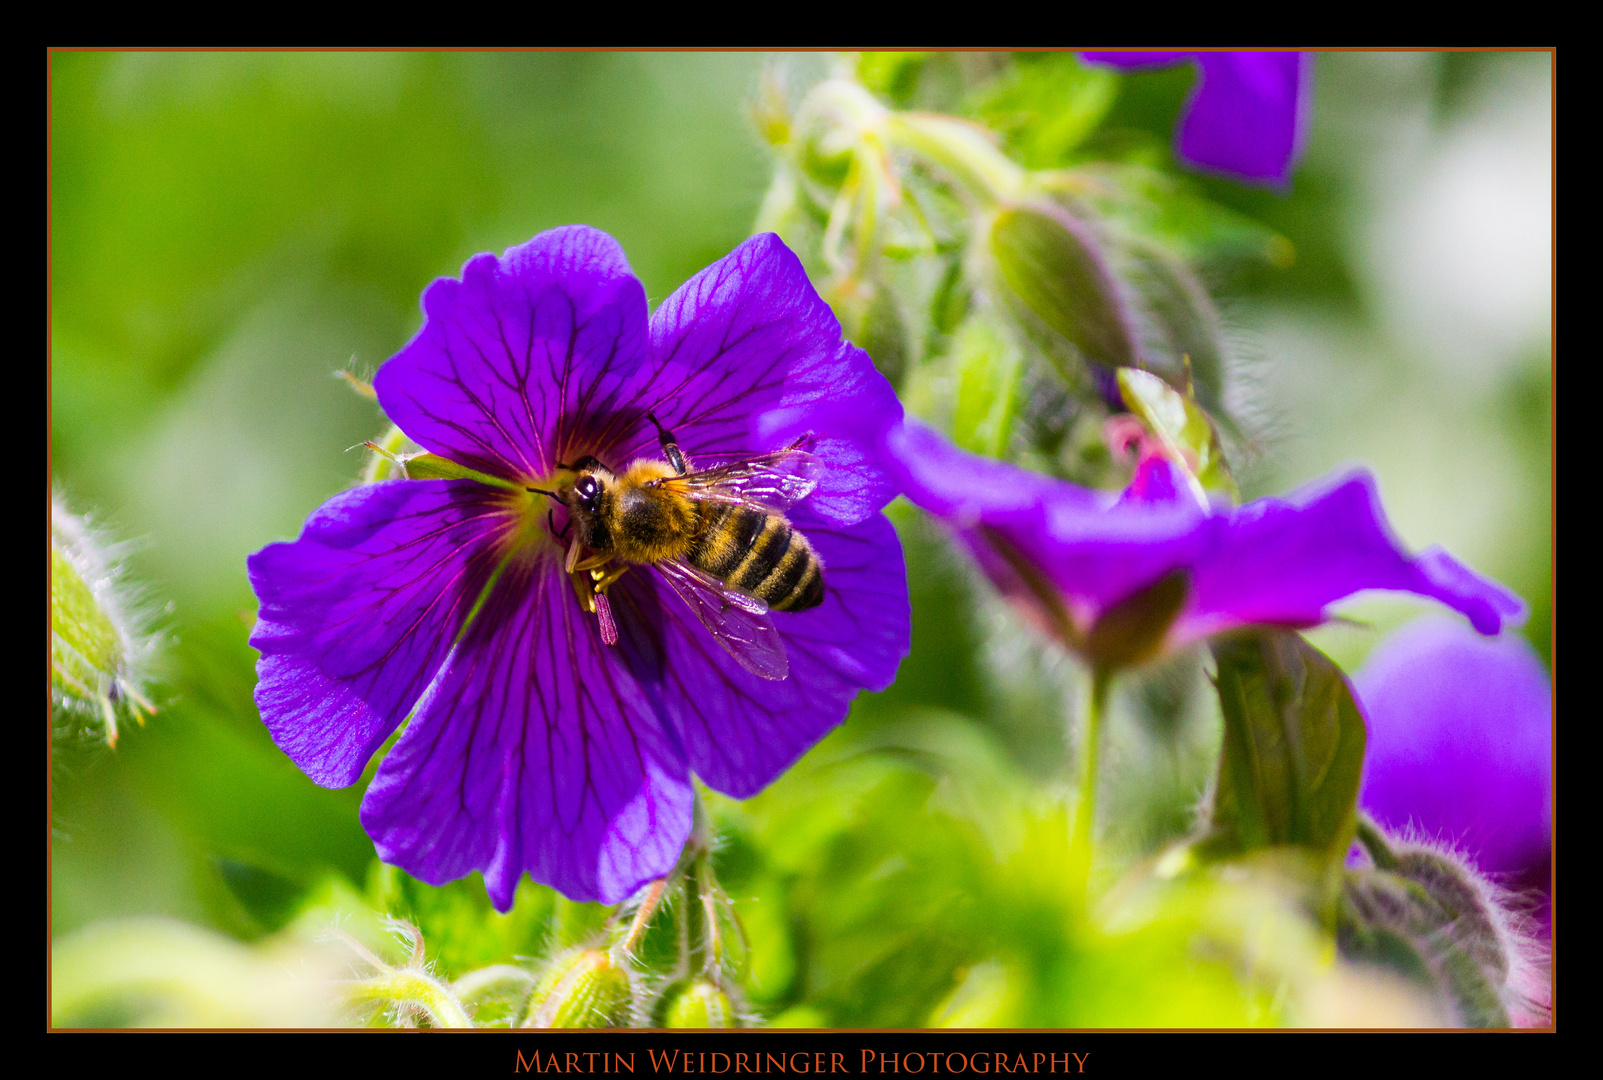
(536, 752)
(358, 614)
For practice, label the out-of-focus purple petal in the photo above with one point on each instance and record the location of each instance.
(1093, 547)
(1156, 480)
(1282, 562)
(358, 614)
(1460, 741)
(1137, 60)
(745, 357)
(536, 750)
(741, 731)
(1278, 562)
(528, 357)
(1246, 114)
(965, 488)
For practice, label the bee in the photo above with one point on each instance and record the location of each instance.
(718, 536)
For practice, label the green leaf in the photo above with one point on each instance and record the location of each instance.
(1054, 265)
(1293, 746)
(1168, 209)
(1183, 427)
(988, 364)
(1045, 107)
(893, 74)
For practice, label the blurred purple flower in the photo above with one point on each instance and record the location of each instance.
(1460, 742)
(1155, 564)
(532, 745)
(1247, 113)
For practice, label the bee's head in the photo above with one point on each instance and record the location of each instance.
(587, 491)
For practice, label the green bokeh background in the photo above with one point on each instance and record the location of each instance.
(229, 230)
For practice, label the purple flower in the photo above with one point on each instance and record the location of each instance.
(1460, 742)
(1123, 577)
(532, 744)
(1247, 113)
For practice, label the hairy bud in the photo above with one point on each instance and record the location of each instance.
(99, 650)
(580, 989)
(1430, 914)
(699, 1004)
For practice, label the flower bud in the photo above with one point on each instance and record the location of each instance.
(97, 647)
(580, 989)
(1432, 916)
(1055, 267)
(698, 1005)
(1183, 432)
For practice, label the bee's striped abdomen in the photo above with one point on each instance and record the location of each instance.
(759, 554)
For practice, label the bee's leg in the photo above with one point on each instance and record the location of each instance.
(581, 589)
(670, 446)
(589, 564)
(603, 578)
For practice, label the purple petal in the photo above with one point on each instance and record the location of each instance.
(1283, 561)
(1137, 60)
(746, 357)
(1246, 115)
(1157, 480)
(1460, 741)
(1273, 562)
(537, 750)
(358, 614)
(741, 731)
(529, 357)
(1095, 549)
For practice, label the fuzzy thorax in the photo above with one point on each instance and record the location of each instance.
(646, 523)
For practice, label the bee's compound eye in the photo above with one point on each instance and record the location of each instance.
(587, 488)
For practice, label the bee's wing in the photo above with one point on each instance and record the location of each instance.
(738, 622)
(768, 481)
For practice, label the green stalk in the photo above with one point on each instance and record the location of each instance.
(1080, 836)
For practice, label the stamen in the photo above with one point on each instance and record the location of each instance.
(609, 628)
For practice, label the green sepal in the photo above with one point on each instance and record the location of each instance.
(1054, 266)
(1293, 748)
(1184, 429)
(435, 467)
(1132, 631)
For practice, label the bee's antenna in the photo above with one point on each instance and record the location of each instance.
(548, 494)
